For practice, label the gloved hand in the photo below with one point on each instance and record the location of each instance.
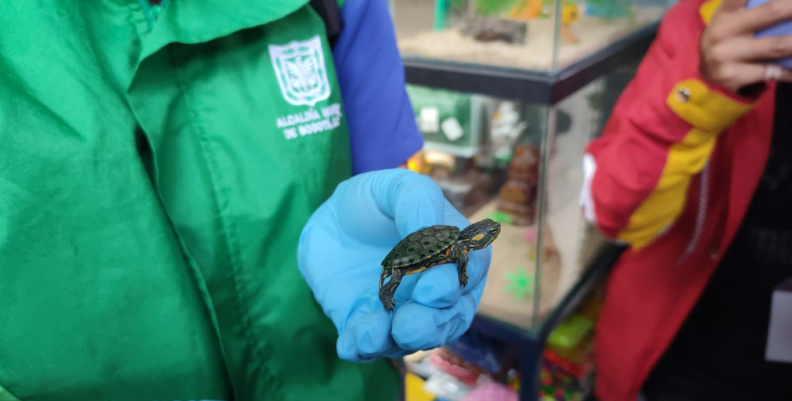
(340, 252)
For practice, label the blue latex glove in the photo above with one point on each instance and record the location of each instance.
(346, 239)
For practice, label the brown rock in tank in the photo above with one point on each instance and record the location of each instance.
(493, 29)
(518, 195)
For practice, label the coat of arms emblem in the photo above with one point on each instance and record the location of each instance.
(300, 69)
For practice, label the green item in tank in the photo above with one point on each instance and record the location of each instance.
(449, 121)
(570, 331)
(520, 283)
(500, 217)
(486, 8)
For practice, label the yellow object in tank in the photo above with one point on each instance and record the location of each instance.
(569, 14)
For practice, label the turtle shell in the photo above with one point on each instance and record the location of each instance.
(421, 245)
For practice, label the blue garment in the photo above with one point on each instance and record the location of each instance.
(382, 128)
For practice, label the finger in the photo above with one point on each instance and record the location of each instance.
(367, 339)
(418, 327)
(413, 200)
(439, 287)
(786, 75)
(750, 49)
(736, 76)
(347, 348)
(746, 21)
(731, 5)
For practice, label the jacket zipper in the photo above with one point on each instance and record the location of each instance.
(701, 214)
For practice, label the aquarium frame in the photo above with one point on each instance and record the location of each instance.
(529, 86)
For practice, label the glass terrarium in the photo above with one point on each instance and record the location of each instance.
(520, 164)
(541, 36)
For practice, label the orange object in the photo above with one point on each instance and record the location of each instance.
(569, 15)
(527, 10)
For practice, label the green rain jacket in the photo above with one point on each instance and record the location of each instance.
(155, 173)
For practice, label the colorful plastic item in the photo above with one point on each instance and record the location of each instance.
(558, 385)
(461, 371)
(500, 217)
(570, 331)
(520, 283)
(414, 389)
(492, 391)
(491, 356)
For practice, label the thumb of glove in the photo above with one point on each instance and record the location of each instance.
(412, 200)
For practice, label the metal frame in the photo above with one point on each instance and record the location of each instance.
(524, 85)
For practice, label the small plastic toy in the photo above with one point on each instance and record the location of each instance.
(492, 391)
(569, 15)
(570, 331)
(557, 385)
(432, 246)
(500, 217)
(520, 283)
(526, 10)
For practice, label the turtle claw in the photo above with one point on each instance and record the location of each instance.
(389, 304)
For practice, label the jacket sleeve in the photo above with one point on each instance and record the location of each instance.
(382, 129)
(660, 135)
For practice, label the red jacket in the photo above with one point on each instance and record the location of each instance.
(672, 176)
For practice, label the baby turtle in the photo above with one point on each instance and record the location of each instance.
(432, 246)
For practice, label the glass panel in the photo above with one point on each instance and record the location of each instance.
(485, 154)
(520, 164)
(538, 35)
(516, 140)
(577, 121)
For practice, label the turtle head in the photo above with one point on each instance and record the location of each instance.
(479, 235)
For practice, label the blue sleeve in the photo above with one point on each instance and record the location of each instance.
(382, 128)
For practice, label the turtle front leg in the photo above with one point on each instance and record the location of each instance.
(462, 260)
(385, 274)
(388, 290)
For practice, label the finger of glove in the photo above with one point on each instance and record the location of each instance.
(419, 327)
(368, 338)
(359, 216)
(439, 287)
(413, 200)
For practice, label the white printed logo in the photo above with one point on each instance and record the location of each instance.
(300, 68)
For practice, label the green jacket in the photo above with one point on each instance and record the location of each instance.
(151, 199)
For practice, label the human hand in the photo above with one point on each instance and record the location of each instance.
(732, 57)
(343, 244)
